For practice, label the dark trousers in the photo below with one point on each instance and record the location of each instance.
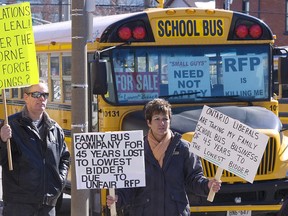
(24, 209)
(284, 209)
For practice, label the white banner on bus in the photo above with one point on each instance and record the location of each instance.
(246, 73)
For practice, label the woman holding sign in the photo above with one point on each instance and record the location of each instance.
(170, 168)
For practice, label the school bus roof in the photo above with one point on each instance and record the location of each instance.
(61, 32)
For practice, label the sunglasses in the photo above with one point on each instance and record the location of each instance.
(38, 94)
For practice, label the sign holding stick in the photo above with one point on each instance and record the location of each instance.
(18, 61)
(228, 143)
(113, 211)
(8, 141)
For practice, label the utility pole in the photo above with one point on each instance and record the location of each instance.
(79, 198)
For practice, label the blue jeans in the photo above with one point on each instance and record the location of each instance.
(27, 209)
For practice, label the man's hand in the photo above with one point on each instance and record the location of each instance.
(5, 133)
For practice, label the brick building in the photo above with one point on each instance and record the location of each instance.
(272, 12)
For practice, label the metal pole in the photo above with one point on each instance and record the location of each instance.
(79, 198)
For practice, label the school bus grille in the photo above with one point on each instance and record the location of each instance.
(266, 166)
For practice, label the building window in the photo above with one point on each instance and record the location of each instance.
(245, 6)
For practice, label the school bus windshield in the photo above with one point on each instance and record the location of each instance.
(190, 73)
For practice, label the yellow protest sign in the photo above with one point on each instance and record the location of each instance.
(18, 64)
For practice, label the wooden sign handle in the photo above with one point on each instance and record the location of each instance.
(113, 206)
(217, 177)
(6, 122)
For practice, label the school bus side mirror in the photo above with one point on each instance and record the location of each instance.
(98, 72)
(283, 70)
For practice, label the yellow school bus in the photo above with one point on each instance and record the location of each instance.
(281, 85)
(192, 57)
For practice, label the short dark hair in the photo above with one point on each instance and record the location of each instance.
(156, 106)
(27, 88)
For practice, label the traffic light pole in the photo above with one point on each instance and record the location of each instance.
(79, 198)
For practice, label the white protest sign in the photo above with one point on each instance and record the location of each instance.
(228, 143)
(109, 160)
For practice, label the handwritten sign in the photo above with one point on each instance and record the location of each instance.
(228, 143)
(109, 160)
(189, 75)
(18, 64)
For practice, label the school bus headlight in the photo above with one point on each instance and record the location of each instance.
(125, 33)
(255, 31)
(139, 32)
(241, 31)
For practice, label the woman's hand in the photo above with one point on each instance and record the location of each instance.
(110, 200)
(215, 185)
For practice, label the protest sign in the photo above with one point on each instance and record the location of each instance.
(228, 143)
(18, 63)
(109, 160)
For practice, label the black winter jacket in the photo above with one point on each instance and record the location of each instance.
(40, 167)
(165, 194)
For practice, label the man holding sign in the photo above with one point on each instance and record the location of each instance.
(40, 158)
(170, 166)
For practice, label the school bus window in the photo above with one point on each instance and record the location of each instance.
(43, 66)
(22, 93)
(124, 61)
(15, 92)
(284, 91)
(118, 63)
(56, 90)
(130, 65)
(67, 90)
(153, 63)
(141, 64)
(215, 69)
(119, 68)
(7, 93)
(66, 65)
(54, 65)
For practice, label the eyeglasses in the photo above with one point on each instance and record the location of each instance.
(45, 95)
